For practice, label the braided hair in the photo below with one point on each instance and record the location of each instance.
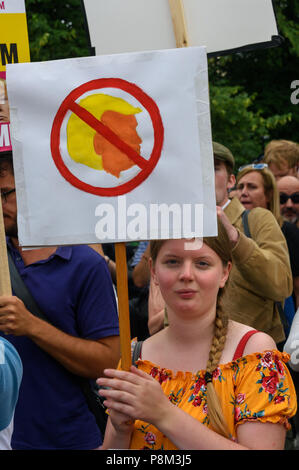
(214, 408)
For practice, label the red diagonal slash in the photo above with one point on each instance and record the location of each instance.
(146, 166)
(106, 132)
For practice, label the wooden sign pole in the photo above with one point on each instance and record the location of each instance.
(5, 285)
(179, 23)
(180, 30)
(123, 305)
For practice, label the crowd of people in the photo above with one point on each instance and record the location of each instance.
(208, 327)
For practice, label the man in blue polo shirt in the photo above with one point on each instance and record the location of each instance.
(10, 378)
(73, 287)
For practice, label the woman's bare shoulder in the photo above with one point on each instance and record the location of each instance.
(258, 342)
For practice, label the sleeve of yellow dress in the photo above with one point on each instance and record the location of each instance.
(264, 389)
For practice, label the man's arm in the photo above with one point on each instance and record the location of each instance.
(156, 322)
(263, 259)
(84, 357)
(156, 308)
(141, 272)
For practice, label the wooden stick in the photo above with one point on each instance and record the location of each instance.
(5, 285)
(123, 305)
(179, 23)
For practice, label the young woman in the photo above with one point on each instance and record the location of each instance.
(195, 385)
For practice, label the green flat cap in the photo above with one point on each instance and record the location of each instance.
(223, 153)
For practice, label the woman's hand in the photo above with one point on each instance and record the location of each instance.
(134, 395)
(122, 423)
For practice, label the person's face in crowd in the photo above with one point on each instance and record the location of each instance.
(282, 170)
(189, 280)
(287, 186)
(9, 203)
(251, 191)
(223, 182)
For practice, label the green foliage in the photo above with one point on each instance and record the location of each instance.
(237, 126)
(56, 29)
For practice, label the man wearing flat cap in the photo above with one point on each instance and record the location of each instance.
(261, 273)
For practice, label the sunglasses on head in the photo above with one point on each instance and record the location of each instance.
(254, 166)
(285, 197)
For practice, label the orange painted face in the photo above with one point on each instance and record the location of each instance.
(115, 161)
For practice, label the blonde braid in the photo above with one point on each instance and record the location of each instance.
(214, 408)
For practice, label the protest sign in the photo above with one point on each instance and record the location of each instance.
(221, 26)
(121, 151)
(117, 150)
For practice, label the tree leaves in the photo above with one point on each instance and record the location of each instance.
(56, 29)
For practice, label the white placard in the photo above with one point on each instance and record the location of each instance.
(73, 186)
(137, 25)
(12, 6)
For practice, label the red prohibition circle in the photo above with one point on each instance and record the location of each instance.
(69, 103)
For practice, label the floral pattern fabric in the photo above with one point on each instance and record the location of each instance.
(254, 387)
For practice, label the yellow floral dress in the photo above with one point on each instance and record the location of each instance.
(254, 387)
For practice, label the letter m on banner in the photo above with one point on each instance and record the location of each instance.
(9, 56)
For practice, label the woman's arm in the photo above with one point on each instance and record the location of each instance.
(117, 438)
(156, 322)
(141, 272)
(156, 308)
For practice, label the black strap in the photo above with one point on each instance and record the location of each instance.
(279, 306)
(136, 352)
(246, 224)
(21, 291)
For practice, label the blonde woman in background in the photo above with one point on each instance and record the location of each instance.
(204, 382)
(256, 187)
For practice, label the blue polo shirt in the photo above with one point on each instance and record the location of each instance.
(74, 289)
